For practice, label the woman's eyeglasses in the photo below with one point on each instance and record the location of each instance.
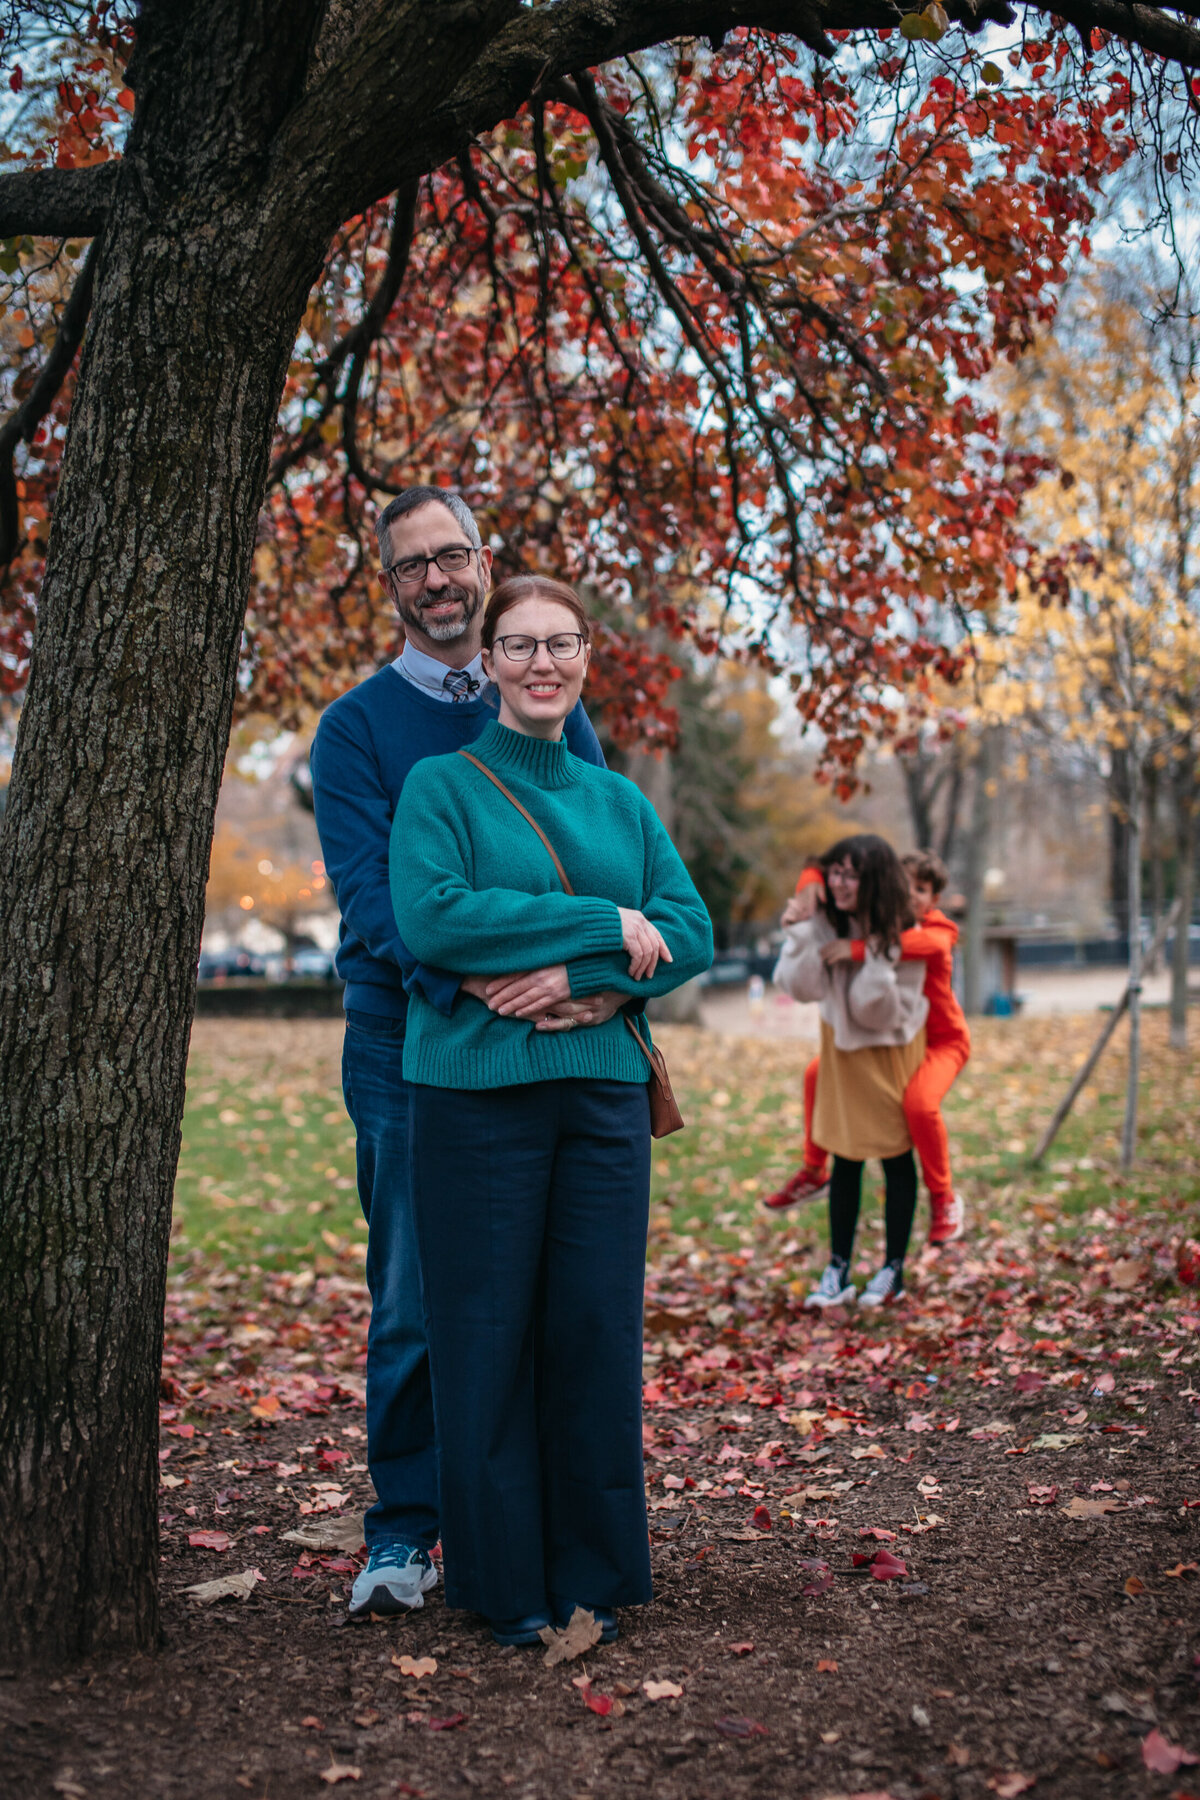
(564, 646)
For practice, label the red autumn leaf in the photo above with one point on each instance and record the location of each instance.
(209, 1540)
(449, 1722)
(762, 1518)
(742, 1649)
(826, 1665)
(597, 1703)
(877, 1531)
(1162, 1757)
(821, 1585)
(1029, 1381)
(1043, 1496)
(886, 1567)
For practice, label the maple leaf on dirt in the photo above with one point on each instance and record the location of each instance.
(226, 1587)
(1043, 1496)
(328, 1534)
(662, 1690)
(1079, 1508)
(209, 1540)
(417, 1666)
(341, 1772)
(762, 1518)
(594, 1701)
(1162, 1757)
(883, 1565)
(1183, 1568)
(577, 1636)
(1008, 1787)
(451, 1722)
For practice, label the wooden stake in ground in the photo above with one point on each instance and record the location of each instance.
(1098, 1048)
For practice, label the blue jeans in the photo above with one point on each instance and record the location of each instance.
(400, 1437)
(531, 1206)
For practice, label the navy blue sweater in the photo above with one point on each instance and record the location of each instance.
(366, 743)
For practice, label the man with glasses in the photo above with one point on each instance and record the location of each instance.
(432, 700)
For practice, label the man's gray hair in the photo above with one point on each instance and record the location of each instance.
(410, 501)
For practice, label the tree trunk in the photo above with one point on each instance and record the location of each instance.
(1153, 854)
(1185, 886)
(104, 853)
(1134, 874)
(974, 870)
(1118, 837)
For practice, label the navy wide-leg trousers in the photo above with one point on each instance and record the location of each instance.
(531, 1208)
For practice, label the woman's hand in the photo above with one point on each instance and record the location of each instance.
(836, 951)
(802, 906)
(644, 942)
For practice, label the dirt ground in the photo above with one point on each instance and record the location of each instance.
(1017, 1653)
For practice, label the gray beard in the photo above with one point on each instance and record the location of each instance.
(445, 631)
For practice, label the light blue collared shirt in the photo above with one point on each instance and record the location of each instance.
(427, 673)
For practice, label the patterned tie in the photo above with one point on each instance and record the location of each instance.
(459, 685)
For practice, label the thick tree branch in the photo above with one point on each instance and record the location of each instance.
(56, 203)
(509, 52)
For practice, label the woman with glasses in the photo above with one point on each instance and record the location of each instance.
(530, 1142)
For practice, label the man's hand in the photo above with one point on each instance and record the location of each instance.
(836, 951)
(802, 906)
(526, 996)
(597, 1009)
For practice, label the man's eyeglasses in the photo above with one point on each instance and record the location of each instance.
(414, 568)
(564, 646)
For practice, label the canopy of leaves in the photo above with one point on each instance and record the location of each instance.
(701, 328)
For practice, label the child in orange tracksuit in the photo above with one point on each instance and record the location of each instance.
(948, 1045)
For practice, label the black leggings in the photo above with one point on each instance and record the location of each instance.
(845, 1192)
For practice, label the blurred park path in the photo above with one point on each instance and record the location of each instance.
(731, 1012)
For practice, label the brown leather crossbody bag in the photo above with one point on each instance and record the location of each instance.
(665, 1116)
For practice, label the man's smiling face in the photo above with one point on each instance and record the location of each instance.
(439, 608)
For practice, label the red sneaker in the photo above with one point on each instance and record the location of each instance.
(947, 1224)
(806, 1184)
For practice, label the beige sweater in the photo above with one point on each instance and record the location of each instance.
(878, 1001)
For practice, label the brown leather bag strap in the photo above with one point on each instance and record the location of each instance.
(525, 814)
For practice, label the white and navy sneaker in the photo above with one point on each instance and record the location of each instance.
(396, 1579)
(834, 1288)
(886, 1287)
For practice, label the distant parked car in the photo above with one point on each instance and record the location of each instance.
(312, 963)
(231, 965)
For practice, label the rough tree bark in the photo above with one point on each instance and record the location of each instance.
(105, 846)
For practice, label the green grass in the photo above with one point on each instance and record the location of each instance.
(266, 1174)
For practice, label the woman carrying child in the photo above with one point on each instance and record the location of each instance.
(872, 1042)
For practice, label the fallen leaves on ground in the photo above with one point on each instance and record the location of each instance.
(1162, 1757)
(341, 1772)
(1079, 1508)
(226, 1587)
(662, 1690)
(737, 1726)
(1007, 1787)
(209, 1540)
(416, 1666)
(577, 1636)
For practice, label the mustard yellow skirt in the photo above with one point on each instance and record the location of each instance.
(858, 1112)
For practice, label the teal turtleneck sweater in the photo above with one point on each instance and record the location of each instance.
(475, 892)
